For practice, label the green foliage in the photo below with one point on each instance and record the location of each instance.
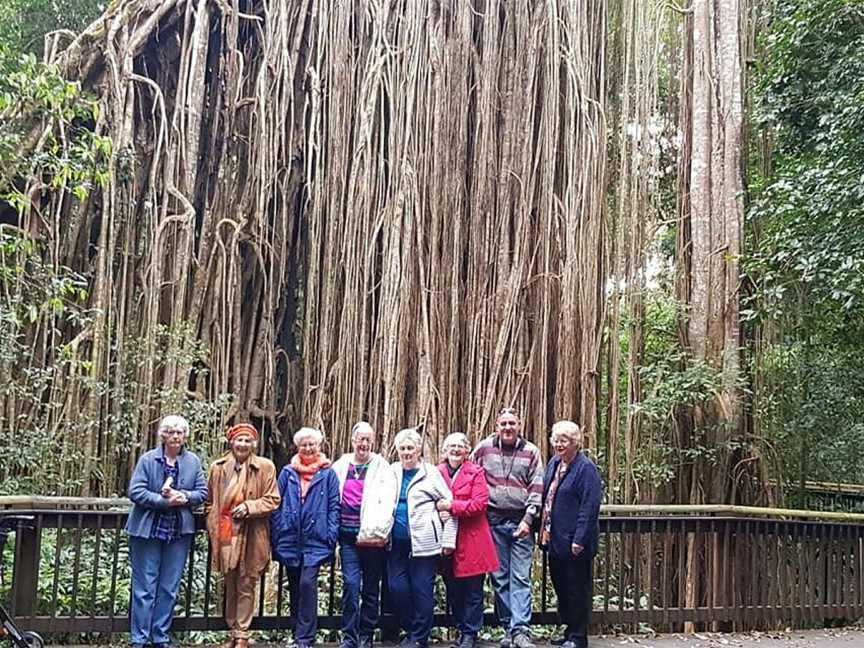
(806, 219)
(814, 405)
(80, 566)
(177, 344)
(33, 293)
(35, 296)
(806, 237)
(672, 385)
(37, 104)
(49, 151)
(24, 23)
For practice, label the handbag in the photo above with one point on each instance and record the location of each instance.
(371, 542)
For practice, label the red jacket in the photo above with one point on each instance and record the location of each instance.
(475, 551)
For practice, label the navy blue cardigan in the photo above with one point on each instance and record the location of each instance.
(576, 507)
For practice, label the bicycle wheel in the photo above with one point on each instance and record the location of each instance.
(33, 639)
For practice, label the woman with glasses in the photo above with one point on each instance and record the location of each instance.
(420, 535)
(305, 527)
(167, 483)
(368, 492)
(243, 493)
(475, 552)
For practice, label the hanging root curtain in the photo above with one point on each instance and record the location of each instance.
(320, 211)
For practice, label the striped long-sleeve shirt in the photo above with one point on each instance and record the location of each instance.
(515, 478)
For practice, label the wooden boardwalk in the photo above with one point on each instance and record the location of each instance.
(829, 638)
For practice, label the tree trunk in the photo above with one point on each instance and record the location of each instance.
(710, 237)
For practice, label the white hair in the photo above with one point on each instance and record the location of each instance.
(173, 422)
(457, 438)
(362, 426)
(569, 428)
(304, 432)
(408, 434)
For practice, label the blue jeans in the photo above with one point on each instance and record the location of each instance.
(466, 603)
(362, 568)
(157, 567)
(512, 582)
(303, 585)
(412, 590)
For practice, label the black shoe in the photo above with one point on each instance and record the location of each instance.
(577, 642)
(558, 641)
(136, 645)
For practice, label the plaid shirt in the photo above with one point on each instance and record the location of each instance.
(167, 522)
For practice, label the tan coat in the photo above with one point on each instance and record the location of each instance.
(262, 497)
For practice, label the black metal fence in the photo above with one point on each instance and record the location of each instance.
(71, 575)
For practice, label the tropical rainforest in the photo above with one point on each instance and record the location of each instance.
(646, 216)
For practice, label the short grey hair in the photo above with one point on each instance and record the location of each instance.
(457, 438)
(408, 434)
(304, 432)
(569, 428)
(173, 422)
(362, 426)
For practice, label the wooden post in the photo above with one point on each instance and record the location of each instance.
(691, 586)
(716, 596)
(25, 576)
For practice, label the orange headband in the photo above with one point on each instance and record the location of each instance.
(241, 428)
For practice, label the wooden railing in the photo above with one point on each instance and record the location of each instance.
(665, 567)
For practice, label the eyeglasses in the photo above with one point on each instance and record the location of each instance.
(174, 432)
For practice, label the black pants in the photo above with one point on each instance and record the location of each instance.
(574, 586)
(465, 598)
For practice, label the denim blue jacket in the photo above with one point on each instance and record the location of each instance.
(145, 491)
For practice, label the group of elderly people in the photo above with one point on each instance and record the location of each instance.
(474, 513)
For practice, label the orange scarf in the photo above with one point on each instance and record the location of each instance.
(307, 468)
(229, 528)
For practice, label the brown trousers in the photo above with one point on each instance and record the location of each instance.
(239, 602)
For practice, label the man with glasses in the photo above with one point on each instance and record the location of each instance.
(514, 472)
